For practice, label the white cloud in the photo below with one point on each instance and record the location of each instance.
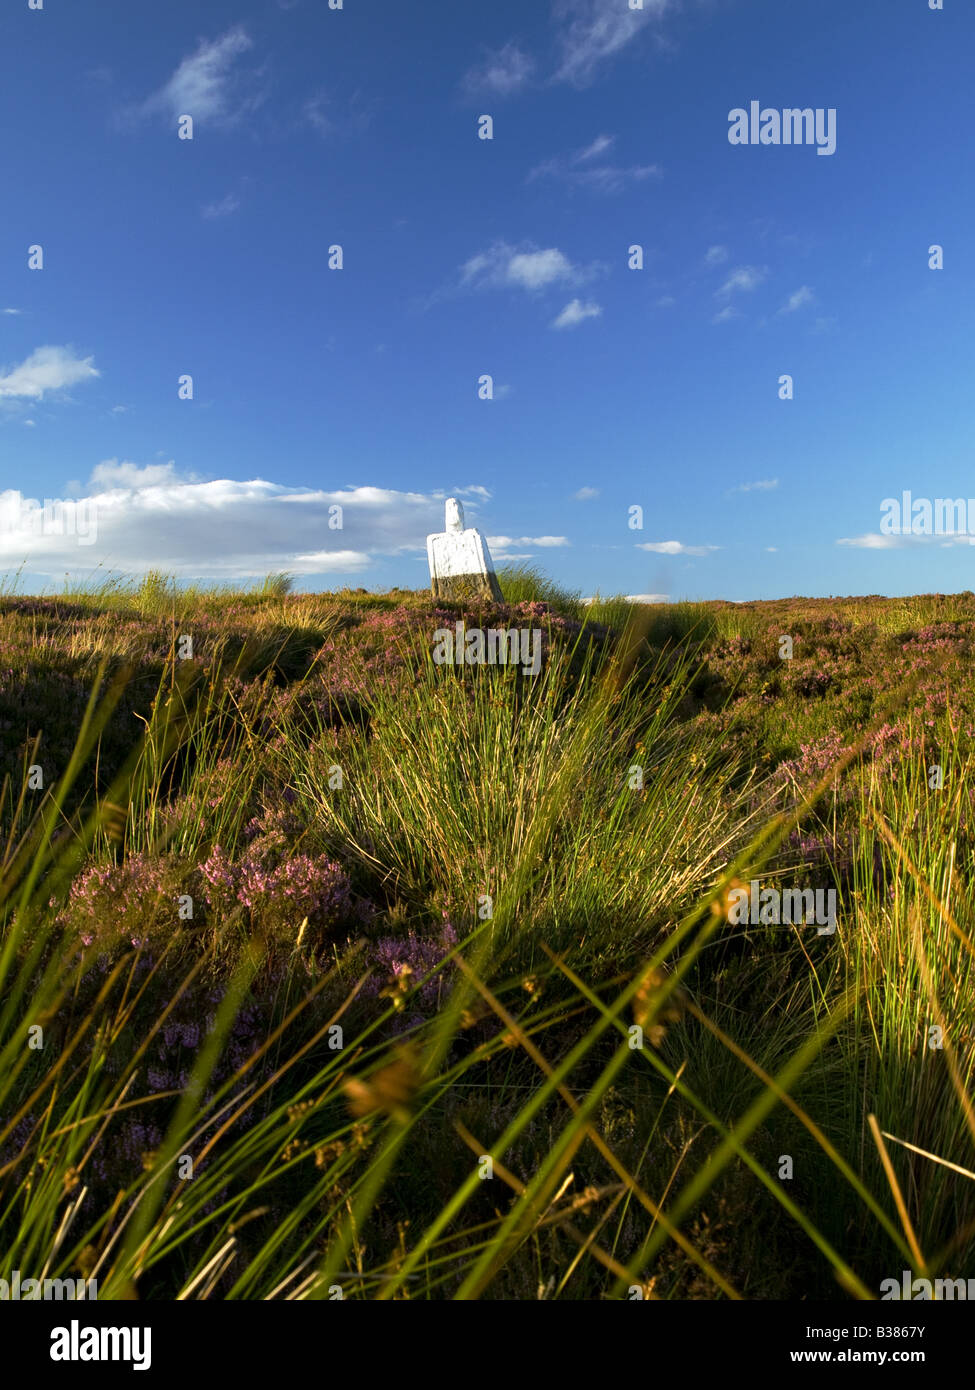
(605, 178)
(725, 314)
(632, 598)
(152, 517)
(223, 207)
(666, 301)
(12, 311)
(502, 72)
(875, 541)
(676, 548)
(506, 542)
(525, 268)
(46, 369)
(601, 143)
(119, 409)
(585, 494)
(594, 30)
(329, 562)
(575, 312)
(535, 269)
(205, 85)
(30, 423)
(313, 113)
(475, 490)
(803, 295)
(716, 255)
(577, 168)
(746, 277)
(762, 485)
(111, 473)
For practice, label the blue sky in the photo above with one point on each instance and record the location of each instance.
(508, 257)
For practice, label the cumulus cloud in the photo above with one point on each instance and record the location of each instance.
(506, 542)
(585, 494)
(208, 84)
(633, 598)
(535, 269)
(875, 541)
(502, 72)
(525, 267)
(111, 473)
(152, 517)
(591, 31)
(676, 548)
(46, 369)
(745, 278)
(575, 312)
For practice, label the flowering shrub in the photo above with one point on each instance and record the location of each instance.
(278, 887)
(400, 963)
(125, 904)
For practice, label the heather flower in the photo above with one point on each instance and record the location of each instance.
(111, 903)
(219, 872)
(278, 887)
(404, 961)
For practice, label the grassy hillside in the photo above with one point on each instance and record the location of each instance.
(325, 965)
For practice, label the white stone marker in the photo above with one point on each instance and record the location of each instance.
(460, 562)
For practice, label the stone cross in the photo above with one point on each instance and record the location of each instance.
(460, 562)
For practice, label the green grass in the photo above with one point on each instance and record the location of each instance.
(579, 832)
(524, 583)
